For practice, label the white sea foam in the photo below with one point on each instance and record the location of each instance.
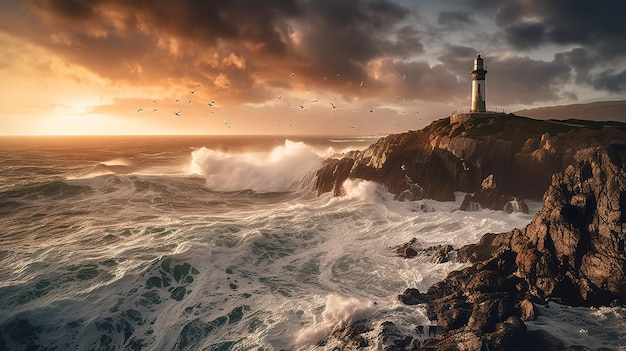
(277, 171)
(266, 270)
(337, 311)
(593, 328)
(362, 190)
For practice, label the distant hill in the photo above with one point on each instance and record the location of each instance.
(595, 111)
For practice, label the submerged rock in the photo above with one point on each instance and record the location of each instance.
(435, 253)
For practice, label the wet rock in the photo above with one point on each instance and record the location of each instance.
(436, 253)
(406, 252)
(441, 253)
(572, 252)
(413, 296)
(527, 310)
(521, 154)
(408, 249)
(361, 334)
(492, 197)
(391, 338)
(353, 334)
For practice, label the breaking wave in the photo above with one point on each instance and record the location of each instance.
(279, 171)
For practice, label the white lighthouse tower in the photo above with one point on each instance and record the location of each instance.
(478, 108)
(478, 86)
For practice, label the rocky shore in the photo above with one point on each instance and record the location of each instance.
(573, 251)
(519, 154)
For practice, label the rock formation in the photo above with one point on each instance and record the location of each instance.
(572, 252)
(442, 158)
(435, 253)
(490, 196)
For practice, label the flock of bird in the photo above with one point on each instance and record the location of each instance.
(226, 123)
(189, 101)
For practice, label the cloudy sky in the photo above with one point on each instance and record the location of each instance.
(295, 66)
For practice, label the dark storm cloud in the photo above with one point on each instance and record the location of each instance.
(594, 30)
(596, 24)
(526, 35)
(66, 9)
(611, 81)
(524, 80)
(454, 19)
(194, 40)
(515, 79)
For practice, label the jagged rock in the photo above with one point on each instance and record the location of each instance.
(407, 250)
(358, 335)
(434, 162)
(581, 229)
(391, 338)
(352, 334)
(572, 252)
(515, 205)
(528, 310)
(437, 253)
(442, 253)
(413, 296)
(490, 196)
(489, 183)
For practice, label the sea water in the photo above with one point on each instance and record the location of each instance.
(217, 243)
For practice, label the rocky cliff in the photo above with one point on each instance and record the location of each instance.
(572, 252)
(434, 162)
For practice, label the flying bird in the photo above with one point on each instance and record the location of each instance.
(331, 104)
(188, 100)
(178, 113)
(139, 109)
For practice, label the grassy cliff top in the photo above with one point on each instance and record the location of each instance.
(523, 130)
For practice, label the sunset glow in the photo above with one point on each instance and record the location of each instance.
(293, 67)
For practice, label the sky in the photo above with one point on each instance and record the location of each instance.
(290, 67)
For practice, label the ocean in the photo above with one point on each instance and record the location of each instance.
(220, 243)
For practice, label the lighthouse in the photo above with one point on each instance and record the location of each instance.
(478, 109)
(478, 85)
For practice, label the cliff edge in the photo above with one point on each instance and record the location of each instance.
(520, 152)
